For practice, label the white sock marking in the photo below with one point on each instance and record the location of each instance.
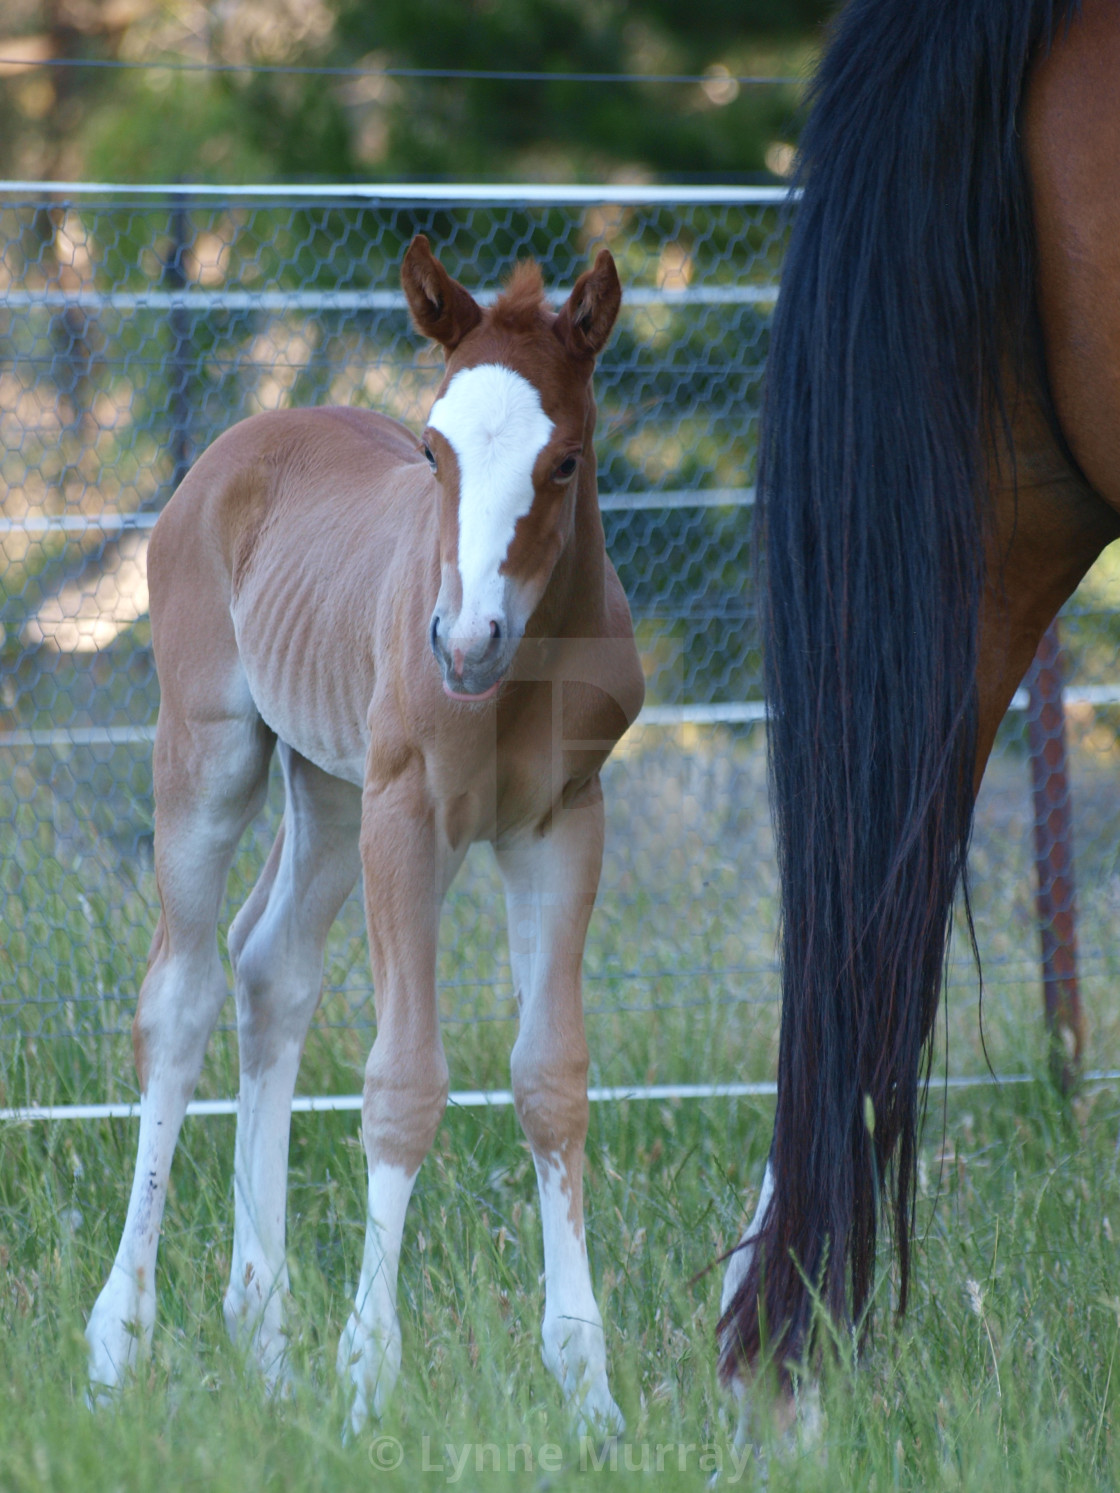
(740, 1261)
(572, 1342)
(369, 1354)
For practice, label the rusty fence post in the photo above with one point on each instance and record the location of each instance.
(1053, 857)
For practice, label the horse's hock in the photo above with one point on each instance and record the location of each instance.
(125, 349)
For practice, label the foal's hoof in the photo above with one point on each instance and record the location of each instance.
(101, 1396)
(368, 1363)
(574, 1352)
(597, 1417)
(119, 1336)
(276, 1373)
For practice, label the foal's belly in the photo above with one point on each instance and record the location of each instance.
(309, 685)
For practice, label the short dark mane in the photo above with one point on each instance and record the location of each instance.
(522, 301)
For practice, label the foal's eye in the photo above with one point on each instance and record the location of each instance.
(429, 456)
(566, 470)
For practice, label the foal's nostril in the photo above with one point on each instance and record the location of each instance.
(435, 632)
(495, 632)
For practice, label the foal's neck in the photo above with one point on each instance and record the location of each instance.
(573, 604)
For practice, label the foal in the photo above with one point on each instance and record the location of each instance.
(431, 633)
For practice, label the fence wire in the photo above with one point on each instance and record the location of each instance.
(137, 326)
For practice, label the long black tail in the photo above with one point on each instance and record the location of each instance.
(908, 279)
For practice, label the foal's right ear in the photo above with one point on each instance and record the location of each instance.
(441, 308)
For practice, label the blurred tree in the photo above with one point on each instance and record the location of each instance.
(155, 124)
(567, 129)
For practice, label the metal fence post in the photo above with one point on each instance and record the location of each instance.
(176, 280)
(1053, 854)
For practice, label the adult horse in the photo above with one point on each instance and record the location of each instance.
(940, 465)
(433, 634)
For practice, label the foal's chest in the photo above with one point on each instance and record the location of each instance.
(554, 735)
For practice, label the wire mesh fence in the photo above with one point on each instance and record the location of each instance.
(136, 326)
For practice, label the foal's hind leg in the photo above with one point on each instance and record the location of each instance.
(210, 779)
(550, 886)
(276, 945)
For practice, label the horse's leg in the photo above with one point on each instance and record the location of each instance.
(741, 1256)
(1048, 528)
(799, 1406)
(210, 779)
(1047, 534)
(407, 869)
(276, 946)
(550, 884)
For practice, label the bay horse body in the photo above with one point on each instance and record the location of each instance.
(940, 465)
(432, 634)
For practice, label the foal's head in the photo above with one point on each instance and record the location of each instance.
(509, 439)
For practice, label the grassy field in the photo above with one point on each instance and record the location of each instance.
(1001, 1377)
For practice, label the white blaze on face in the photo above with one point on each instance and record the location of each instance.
(493, 420)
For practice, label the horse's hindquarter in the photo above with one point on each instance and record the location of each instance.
(312, 532)
(1072, 145)
(1050, 522)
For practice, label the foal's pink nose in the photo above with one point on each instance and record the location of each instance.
(467, 657)
(476, 649)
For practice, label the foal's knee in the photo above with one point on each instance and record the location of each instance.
(550, 1094)
(278, 981)
(178, 1004)
(403, 1102)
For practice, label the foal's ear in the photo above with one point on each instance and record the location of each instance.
(440, 307)
(587, 320)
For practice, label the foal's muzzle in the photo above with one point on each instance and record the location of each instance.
(472, 667)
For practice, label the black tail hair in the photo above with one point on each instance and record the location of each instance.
(909, 277)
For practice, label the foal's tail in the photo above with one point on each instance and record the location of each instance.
(908, 279)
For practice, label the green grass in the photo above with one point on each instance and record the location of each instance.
(1004, 1375)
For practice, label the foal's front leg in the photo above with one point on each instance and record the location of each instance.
(407, 870)
(550, 884)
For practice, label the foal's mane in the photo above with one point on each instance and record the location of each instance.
(519, 306)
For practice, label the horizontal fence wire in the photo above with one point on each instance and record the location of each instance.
(423, 74)
(734, 713)
(203, 303)
(559, 194)
(502, 1098)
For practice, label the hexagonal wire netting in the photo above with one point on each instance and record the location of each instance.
(136, 326)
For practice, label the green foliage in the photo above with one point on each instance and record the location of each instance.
(224, 127)
(171, 127)
(490, 129)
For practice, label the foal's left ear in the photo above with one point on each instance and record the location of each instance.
(587, 320)
(440, 307)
